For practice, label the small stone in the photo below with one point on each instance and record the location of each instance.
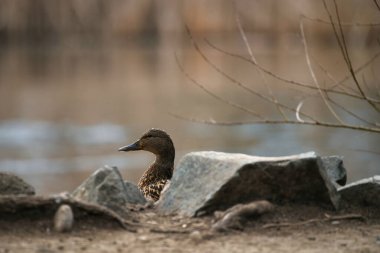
(63, 219)
(143, 238)
(196, 235)
(106, 187)
(237, 216)
(13, 185)
(335, 222)
(365, 192)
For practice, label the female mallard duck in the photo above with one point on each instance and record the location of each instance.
(154, 179)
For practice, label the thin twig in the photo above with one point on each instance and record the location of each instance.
(377, 4)
(314, 77)
(365, 151)
(253, 59)
(343, 47)
(351, 112)
(234, 81)
(327, 218)
(299, 84)
(213, 94)
(282, 122)
(336, 84)
(343, 24)
(335, 102)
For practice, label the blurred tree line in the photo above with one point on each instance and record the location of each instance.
(54, 19)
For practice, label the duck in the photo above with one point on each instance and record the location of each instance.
(160, 171)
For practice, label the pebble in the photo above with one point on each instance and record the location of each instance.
(378, 239)
(196, 235)
(143, 238)
(63, 219)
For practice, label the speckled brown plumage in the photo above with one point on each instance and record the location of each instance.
(160, 172)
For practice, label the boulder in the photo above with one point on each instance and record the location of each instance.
(365, 192)
(106, 187)
(13, 185)
(204, 182)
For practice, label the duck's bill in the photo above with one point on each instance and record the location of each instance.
(132, 147)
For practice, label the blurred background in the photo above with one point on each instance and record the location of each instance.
(81, 78)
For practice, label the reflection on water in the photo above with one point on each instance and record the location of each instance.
(65, 110)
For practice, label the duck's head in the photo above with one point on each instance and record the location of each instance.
(156, 141)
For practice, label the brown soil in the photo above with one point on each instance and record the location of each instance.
(293, 229)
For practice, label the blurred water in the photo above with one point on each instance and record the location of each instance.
(66, 109)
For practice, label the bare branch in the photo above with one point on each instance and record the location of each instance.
(377, 4)
(343, 47)
(236, 82)
(212, 94)
(335, 103)
(299, 84)
(350, 112)
(253, 59)
(327, 218)
(322, 21)
(281, 122)
(314, 77)
(329, 75)
(358, 91)
(366, 151)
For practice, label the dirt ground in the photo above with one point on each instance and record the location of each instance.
(291, 229)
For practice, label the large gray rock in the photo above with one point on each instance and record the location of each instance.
(207, 181)
(13, 185)
(106, 187)
(365, 192)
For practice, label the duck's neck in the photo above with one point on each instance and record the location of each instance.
(163, 165)
(162, 168)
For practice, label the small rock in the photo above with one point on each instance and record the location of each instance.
(143, 238)
(236, 216)
(196, 236)
(133, 194)
(13, 185)
(63, 219)
(335, 222)
(106, 187)
(365, 192)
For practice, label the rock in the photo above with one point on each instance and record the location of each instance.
(335, 170)
(195, 236)
(13, 185)
(63, 219)
(204, 182)
(38, 208)
(106, 187)
(236, 216)
(365, 192)
(133, 193)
